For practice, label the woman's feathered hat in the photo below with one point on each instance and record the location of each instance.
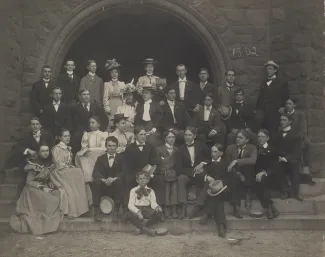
(112, 64)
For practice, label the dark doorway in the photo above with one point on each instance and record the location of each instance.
(130, 37)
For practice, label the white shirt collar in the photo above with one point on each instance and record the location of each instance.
(203, 83)
(240, 102)
(56, 103)
(108, 155)
(92, 74)
(205, 107)
(146, 187)
(70, 72)
(273, 77)
(46, 80)
(287, 128)
(114, 80)
(136, 141)
(148, 101)
(293, 111)
(265, 145)
(63, 145)
(168, 145)
(190, 143)
(149, 74)
(170, 102)
(229, 85)
(38, 133)
(218, 160)
(182, 80)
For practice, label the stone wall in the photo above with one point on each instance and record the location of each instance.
(10, 73)
(248, 32)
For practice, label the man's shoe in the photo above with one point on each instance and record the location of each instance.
(237, 213)
(182, 213)
(269, 213)
(195, 212)
(299, 197)
(97, 214)
(284, 196)
(275, 212)
(149, 231)
(204, 219)
(174, 212)
(221, 231)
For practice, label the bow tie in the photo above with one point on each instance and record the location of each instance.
(140, 145)
(285, 131)
(142, 191)
(181, 80)
(55, 103)
(170, 148)
(191, 145)
(270, 79)
(111, 157)
(171, 103)
(208, 108)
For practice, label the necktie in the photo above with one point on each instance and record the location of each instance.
(86, 107)
(111, 157)
(142, 191)
(208, 108)
(70, 76)
(230, 88)
(191, 145)
(240, 154)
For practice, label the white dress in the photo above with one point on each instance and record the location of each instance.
(113, 97)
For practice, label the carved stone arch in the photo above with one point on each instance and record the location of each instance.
(92, 11)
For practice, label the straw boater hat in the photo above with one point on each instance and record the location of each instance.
(112, 64)
(119, 117)
(149, 61)
(149, 87)
(106, 205)
(215, 188)
(149, 169)
(272, 63)
(225, 112)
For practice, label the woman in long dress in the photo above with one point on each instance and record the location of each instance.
(92, 146)
(38, 207)
(128, 107)
(112, 98)
(75, 198)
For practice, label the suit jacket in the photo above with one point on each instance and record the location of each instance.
(192, 95)
(274, 96)
(41, 96)
(166, 160)
(225, 97)
(28, 141)
(155, 113)
(103, 170)
(267, 160)
(53, 120)
(241, 120)
(208, 89)
(289, 147)
(136, 160)
(81, 117)
(181, 115)
(214, 120)
(217, 170)
(70, 87)
(95, 87)
(183, 159)
(299, 125)
(248, 159)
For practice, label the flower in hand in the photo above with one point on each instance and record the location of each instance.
(140, 217)
(158, 209)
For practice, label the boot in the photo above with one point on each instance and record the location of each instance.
(174, 212)
(149, 231)
(182, 213)
(299, 197)
(167, 212)
(248, 201)
(221, 231)
(275, 212)
(204, 219)
(195, 212)
(269, 213)
(237, 213)
(97, 214)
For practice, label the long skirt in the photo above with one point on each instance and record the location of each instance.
(37, 212)
(75, 195)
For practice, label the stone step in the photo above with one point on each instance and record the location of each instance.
(7, 207)
(14, 176)
(8, 191)
(315, 190)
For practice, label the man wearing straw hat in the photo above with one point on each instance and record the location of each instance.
(272, 99)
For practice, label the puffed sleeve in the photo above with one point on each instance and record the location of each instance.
(106, 97)
(103, 139)
(58, 158)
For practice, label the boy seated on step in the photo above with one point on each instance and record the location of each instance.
(142, 205)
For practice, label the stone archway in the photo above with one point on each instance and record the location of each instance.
(93, 11)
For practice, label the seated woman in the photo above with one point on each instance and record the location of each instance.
(166, 166)
(128, 107)
(38, 207)
(92, 146)
(75, 198)
(124, 138)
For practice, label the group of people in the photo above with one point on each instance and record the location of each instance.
(91, 139)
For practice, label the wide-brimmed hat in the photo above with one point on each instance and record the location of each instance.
(149, 87)
(149, 168)
(256, 213)
(112, 64)
(129, 88)
(149, 61)
(215, 188)
(119, 117)
(106, 205)
(225, 112)
(161, 231)
(272, 63)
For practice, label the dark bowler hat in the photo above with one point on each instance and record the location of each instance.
(149, 61)
(119, 117)
(225, 112)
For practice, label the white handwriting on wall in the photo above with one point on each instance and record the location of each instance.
(244, 51)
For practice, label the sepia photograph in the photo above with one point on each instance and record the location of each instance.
(162, 128)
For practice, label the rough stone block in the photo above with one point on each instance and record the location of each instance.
(5, 152)
(229, 38)
(257, 18)
(278, 14)
(239, 66)
(235, 16)
(211, 13)
(221, 25)
(242, 29)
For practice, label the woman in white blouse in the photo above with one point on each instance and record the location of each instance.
(113, 97)
(92, 146)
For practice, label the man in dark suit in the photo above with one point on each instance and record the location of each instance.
(69, 83)
(225, 93)
(81, 114)
(149, 115)
(272, 99)
(190, 159)
(208, 123)
(289, 147)
(267, 173)
(241, 158)
(137, 155)
(41, 91)
(175, 115)
(187, 92)
(240, 118)
(56, 115)
(205, 86)
(108, 179)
